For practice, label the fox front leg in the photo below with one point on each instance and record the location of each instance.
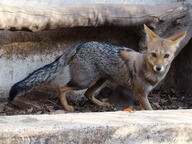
(143, 100)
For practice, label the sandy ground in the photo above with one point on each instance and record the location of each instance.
(41, 103)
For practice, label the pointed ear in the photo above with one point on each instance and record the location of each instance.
(150, 34)
(178, 38)
(125, 54)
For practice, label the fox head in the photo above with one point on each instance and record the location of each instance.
(161, 52)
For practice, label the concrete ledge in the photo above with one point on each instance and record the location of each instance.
(170, 126)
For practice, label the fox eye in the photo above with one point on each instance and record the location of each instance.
(154, 54)
(166, 56)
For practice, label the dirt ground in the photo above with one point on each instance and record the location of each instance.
(160, 99)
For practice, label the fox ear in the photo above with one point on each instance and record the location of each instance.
(178, 38)
(150, 34)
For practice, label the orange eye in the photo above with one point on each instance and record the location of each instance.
(154, 55)
(166, 56)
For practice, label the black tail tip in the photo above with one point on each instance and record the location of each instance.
(13, 93)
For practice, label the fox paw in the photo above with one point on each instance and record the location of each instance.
(106, 104)
(70, 108)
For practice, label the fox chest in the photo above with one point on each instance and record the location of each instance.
(152, 82)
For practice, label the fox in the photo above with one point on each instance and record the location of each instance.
(93, 63)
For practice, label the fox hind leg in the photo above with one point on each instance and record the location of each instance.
(62, 95)
(92, 89)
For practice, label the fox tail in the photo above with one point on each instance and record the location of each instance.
(42, 75)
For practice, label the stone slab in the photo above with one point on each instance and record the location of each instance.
(143, 127)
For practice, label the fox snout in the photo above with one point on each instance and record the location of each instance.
(159, 68)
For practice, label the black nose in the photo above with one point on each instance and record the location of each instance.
(158, 68)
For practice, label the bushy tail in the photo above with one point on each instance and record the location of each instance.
(42, 75)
